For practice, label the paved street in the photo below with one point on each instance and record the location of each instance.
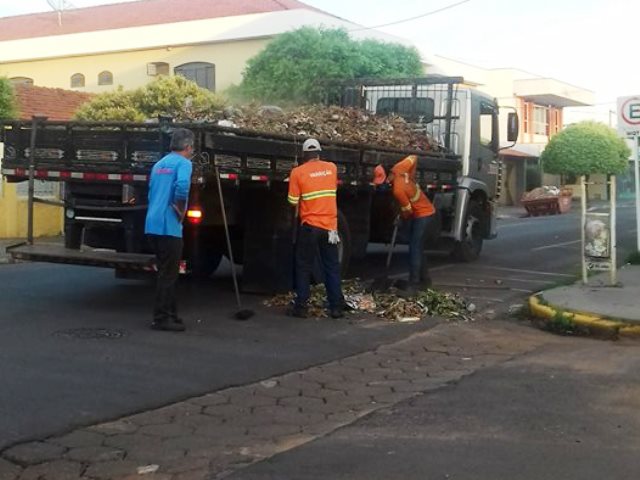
(565, 411)
(76, 352)
(530, 254)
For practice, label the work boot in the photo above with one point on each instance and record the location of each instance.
(410, 290)
(168, 326)
(297, 311)
(336, 313)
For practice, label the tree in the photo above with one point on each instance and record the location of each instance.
(177, 97)
(117, 106)
(298, 66)
(586, 148)
(8, 108)
(173, 96)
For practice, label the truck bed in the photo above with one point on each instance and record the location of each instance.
(125, 152)
(96, 258)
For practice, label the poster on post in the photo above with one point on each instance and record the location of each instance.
(597, 242)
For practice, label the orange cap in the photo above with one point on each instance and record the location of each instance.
(379, 175)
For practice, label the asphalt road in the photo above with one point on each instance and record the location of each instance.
(567, 412)
(56, 376)
(530, 254)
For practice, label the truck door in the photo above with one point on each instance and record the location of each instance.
(483, 158)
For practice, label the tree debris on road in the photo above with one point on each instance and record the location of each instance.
(390, 305)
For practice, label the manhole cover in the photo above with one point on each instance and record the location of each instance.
(91, 333)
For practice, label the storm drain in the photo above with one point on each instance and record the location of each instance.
(91, 333)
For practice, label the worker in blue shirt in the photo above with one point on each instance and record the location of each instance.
(168, 198)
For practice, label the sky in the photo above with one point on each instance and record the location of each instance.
(588, 43)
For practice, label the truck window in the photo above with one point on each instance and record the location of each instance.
(487, 124)
(410, 108)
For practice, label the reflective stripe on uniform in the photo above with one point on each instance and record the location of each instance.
(416, 197)
(293, 200)
(318, 194)
(406, 208)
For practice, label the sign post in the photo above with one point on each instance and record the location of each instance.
(629, 127)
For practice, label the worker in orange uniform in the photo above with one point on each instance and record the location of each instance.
(312, 188)
(418, 209)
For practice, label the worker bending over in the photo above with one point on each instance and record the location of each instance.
(312, 188)
(418, 209)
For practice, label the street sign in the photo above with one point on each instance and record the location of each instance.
(629, 126)
(629, 116)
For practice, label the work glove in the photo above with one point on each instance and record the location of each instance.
(334, 238)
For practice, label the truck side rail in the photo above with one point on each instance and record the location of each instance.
(125, 152)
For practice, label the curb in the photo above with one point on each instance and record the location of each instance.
(594, 323)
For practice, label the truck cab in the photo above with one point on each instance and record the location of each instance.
(460, 120)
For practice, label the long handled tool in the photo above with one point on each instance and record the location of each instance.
(383, 283)
(241, 314)
(392, 245)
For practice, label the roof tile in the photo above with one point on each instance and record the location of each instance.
(55, 103)
(134, 14)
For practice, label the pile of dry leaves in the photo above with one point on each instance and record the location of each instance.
(389, 304)
(349, 125)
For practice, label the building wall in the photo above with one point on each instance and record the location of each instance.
(129, 69)
(47, 220)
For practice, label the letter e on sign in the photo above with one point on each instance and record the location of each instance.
(629, 116)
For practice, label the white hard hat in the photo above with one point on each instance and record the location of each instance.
(311, 145)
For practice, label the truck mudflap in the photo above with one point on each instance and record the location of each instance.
(94, 258)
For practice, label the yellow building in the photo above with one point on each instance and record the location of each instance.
(97, 49)
(56, 104)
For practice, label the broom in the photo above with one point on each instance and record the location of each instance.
(241, 313)
(383, 282)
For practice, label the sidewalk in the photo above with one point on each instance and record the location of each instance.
(512, 211)
(597, 305)
(210, 437)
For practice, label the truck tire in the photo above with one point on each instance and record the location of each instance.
(205, 264)
(73, 235)
(469, 248)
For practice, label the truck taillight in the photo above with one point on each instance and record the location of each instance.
(194, 216)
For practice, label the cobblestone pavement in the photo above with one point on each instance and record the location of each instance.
(211, 436)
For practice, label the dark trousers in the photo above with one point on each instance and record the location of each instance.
(168, 252)
(417, 259)
(311, 242)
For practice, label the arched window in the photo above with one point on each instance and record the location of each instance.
(203, 73)
(21, 81)
(105, 78)
(77, 80)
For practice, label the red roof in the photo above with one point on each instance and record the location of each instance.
(134, 14)
(55, 103)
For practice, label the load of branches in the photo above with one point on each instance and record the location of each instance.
(349, 125)
(184, 101)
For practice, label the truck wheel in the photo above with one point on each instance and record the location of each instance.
(469, 248)
(205, 264)
(73, 236)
